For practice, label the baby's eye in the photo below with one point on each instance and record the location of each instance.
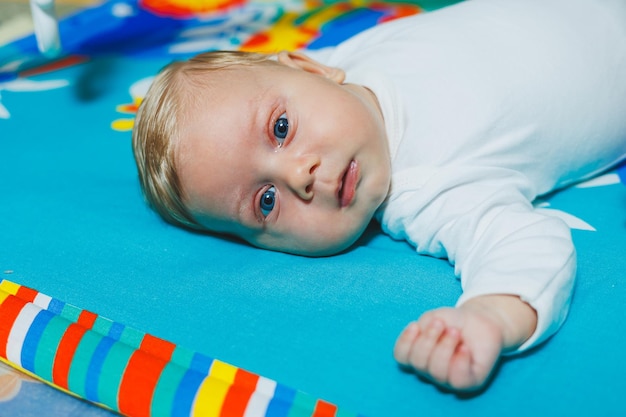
(281, 128)
(268, 199)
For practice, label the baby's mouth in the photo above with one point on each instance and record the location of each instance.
(347, 184)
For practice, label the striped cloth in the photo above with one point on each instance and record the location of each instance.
(130, 372)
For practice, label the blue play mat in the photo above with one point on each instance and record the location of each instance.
(73, 225)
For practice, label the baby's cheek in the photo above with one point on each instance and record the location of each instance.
(319, 233)
(331, 239)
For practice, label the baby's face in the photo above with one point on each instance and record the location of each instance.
(285, 158)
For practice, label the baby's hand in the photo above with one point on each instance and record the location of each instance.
(457, 348)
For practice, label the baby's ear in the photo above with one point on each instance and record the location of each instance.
(301, 61)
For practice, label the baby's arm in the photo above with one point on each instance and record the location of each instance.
(482, 220)
(458, 348)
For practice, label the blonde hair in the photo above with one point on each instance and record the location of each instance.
(156, 133)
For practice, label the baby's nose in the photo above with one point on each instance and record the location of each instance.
(300, 175)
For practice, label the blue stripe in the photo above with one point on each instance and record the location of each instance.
(190, 384)
(56, 306)
(116, 330)
(280, 405)
(201, 363)
(186, 393)
(29, 348)
(95, 368)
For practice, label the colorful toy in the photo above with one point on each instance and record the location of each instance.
(131, 372)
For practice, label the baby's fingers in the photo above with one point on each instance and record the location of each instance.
(424, 344)
(404, 344)
(461, 374)
(465, 373)
(441, 358)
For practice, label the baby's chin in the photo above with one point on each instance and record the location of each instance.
(313, 248)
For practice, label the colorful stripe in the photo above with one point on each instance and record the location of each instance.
(67, 348)
(131, 372)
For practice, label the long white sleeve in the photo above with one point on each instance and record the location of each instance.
(482, 221)
(489, 104)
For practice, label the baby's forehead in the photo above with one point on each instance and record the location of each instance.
(222, 101)
(196, 87)
(225, 90)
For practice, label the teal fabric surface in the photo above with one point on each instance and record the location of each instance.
(73, 225)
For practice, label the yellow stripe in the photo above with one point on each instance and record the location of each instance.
(210, 397)
(3, 296)
(10, 287)
(223, 371)
(320, 17)
(7, 288)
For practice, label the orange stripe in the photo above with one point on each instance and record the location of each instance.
(68, 345)
(141, 377)
(324, 409)
(160, 348)
(239, 394)
(65, 354)
(9, 310)
(26, 294)
(87, 319)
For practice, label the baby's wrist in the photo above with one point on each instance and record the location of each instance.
(516, 319)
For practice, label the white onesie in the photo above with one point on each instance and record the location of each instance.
(489, 104)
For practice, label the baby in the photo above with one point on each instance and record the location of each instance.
(445, 127)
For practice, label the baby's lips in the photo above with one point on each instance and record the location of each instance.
(347, 186)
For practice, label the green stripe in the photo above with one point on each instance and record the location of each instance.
(70, 313)
(48, 346)
(182, 357)
(80, 363)
(102, 326)
(303, 405)
(166, 388)
(341, 413)
(112, 373)
(132, 337)
(429, 5)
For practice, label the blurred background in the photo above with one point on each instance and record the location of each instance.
(16, 21)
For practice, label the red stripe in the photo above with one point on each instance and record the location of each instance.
(142, 375)
(239, 394)
(324, 409)
(160, 348)
(87, 319)
(65, 354)
(9, 310)
(26, 294)
(68, 345)
(53, 66)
